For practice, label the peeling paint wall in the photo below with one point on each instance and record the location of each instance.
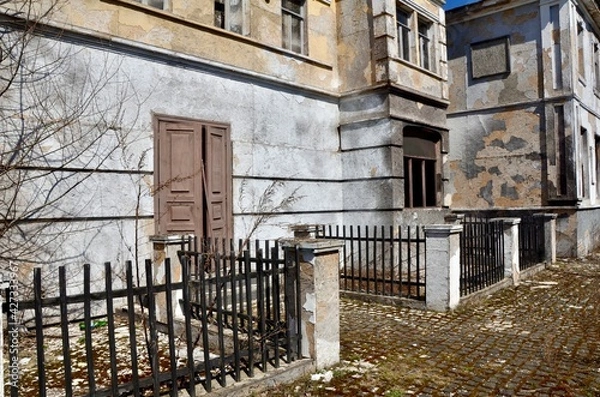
(187, 28)
(382, 93)
(496, 157)
(527, 136)
(327, 125)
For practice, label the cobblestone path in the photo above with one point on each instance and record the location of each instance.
(541, 338)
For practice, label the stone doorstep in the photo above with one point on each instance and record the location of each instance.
(286, 373)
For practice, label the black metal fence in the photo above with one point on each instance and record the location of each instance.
(481, 253)
(532, 244)
(240, 313)
(381, 260)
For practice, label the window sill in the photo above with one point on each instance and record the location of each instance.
(416, 67)
(167, 15)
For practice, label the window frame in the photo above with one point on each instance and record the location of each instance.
(404, 32)
(227, 15)
(504, 70)
(425, 37)
(165, 4)
(596, 56)
(580, 48)
(288, 16)
(422, 172)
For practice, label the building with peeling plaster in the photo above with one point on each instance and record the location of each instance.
(524, 113)
(242, 117)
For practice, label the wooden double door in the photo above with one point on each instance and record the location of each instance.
(192, 177)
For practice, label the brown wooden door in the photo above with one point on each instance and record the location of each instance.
(218, 177)
(193, 178)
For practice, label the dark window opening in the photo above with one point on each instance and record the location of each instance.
(220, 14)
(422, 175)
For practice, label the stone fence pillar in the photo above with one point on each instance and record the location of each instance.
(511, 248)
(549, 236)
(442, 290)
(319, 294)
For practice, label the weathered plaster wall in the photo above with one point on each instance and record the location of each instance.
(495, 159)
(522, 84)
(276, 133)
(187, 28)
(354, 43)
(368, 48)
(495, 122)
(371, 134)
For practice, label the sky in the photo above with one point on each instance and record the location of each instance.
(457, 3)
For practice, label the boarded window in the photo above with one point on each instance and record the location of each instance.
(192, 178)
(490, 58)
(422, 172)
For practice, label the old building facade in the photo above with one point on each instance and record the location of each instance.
(240, 118)
(524, 113)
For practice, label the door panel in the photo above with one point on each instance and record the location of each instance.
(193, 178)
(180, 177)
(218, 177)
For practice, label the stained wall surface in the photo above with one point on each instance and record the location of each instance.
(523, 114)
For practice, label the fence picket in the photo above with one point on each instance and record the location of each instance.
(185, 260)
(205, 312)
(171, 328)
(260, 268)
(250, 325)
(64, 325)
(482, 253)
(266, 287)
(39, 330)
(373, 262)
(89, 354)
(131, 323)
(220, 268)
(276, 301)
(234, 316)
(111, 329)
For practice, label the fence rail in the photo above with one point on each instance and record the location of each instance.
(382, 260)
(481, 252)
(240, 313)
(532, 245)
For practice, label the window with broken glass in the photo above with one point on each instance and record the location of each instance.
(293, 25)
(403, 27)
(425, 44)
(229, 15)
(422, 176)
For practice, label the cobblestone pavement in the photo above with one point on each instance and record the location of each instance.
(541, 338)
